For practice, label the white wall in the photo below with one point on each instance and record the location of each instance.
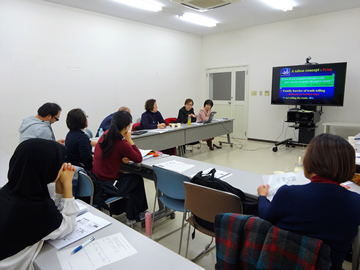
(52, 53)
(327, 38)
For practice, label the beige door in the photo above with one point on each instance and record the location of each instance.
(228, 88)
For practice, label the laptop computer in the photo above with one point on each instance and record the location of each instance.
(210, 118)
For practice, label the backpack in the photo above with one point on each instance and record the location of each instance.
(99, 193)
(209, 180)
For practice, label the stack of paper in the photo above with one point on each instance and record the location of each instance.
(144, 154)
(86, 224)
(83, 207)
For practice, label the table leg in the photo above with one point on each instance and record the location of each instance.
(228, 141)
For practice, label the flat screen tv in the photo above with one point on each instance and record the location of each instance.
(318, 85)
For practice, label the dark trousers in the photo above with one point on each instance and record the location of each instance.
(131, 187)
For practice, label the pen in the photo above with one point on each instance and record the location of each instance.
(83, 245)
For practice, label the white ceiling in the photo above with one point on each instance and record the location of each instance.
(244, 14)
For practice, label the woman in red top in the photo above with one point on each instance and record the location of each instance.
(113, 148)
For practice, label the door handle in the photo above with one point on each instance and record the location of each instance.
(229, 102)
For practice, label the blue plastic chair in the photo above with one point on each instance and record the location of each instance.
(86, 189)
(170, 185)
(88, 133)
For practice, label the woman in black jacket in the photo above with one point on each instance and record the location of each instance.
(185, 111)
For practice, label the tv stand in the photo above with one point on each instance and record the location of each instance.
(305, 120)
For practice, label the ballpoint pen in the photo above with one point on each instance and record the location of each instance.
(83, 245)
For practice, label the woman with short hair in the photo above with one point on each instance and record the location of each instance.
(185, 111)
(203, 116)
(112, 149)
(321, 209)
(79, 149)
(152, 118)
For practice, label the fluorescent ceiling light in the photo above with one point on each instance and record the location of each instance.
(143, 4)
(197, 20)
(284, 5)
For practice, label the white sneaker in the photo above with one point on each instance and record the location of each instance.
(130, 222)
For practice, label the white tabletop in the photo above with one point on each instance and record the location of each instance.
(247, 182)
(341, 124)
(151, 255)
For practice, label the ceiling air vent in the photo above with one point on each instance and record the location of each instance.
(204, 5)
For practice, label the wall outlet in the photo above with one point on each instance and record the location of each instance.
(266, 93)
(260, 93)
(253, 93)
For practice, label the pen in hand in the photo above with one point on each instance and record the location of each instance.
(83, 245)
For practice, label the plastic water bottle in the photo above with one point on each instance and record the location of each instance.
(101, 132)
(148, 223)
(298, 166)
(189, 120)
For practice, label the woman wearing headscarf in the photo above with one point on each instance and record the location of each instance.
(28, 214)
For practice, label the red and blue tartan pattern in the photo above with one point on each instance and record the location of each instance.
(248, 242)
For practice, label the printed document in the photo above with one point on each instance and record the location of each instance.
(175, 166)
(86, 224)
(218, 174)
(278, 180)
(97, 254)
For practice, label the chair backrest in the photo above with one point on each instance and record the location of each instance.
(170, 120)
(206, 202)
(88, 133)
(356, 252)
(170, 183)
(243, 241)
(135, 126)
(86, 187)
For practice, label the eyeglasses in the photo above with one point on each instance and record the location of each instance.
(57, 119)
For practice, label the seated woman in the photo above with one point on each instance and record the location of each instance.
(113, 148)
(152, 118)
(79, 148)
(183, 115)
(28, 214)
(321, 209)
(204, 115)
(185, 111)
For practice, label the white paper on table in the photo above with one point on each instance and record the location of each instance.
(97, 254)
(222, 177)
(218, 173)
(144, 152)
(278, 180)
(85, 225)
(157, 130)
(175, 166)
(348, 183)
(83, 207)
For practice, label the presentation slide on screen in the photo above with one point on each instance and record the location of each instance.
(307, 84)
